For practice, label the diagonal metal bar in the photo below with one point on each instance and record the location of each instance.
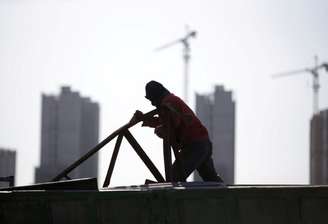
(102, 144)
(183, 40)
(168, 45)
(295, 72)
(135, 145)
(113, 160)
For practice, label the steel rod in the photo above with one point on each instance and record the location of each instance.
(143, 156)
(113, 161)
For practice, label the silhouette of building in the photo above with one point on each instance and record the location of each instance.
(319, 148)
(7, 165)
(217, 113)
(69, 129)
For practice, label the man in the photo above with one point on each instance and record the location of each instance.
(191, 137)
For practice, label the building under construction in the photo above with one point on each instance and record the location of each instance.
(217, 113)
(7, 167)
(319, 148)
(70, 127)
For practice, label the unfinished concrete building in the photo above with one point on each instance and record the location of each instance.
(70, 127)
(217, 113)
(319, 148)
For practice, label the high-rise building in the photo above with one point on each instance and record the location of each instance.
(319, 148)
(69, 129)
(7, 165)
(217, 112)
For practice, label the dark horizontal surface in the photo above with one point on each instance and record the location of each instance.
(174, 203)
(76, 184)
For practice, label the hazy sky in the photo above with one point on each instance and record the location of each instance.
(104, 49)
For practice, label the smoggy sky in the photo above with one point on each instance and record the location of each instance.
(104, 49)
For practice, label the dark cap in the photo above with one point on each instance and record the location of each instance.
(155, 92)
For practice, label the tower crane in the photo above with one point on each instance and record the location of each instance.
(186, 56)
(314, 71)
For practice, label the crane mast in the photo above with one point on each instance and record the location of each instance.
(186, 58)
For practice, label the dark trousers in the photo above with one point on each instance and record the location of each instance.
(195, 156)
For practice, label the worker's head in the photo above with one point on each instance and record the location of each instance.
(155, 92)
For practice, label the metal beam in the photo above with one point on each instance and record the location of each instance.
(143, 156)
(113, 160)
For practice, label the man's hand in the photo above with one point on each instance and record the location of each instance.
(137, 116)
(148, 121)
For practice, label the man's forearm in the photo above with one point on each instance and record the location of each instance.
(152, 122)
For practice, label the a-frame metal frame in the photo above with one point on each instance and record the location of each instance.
(124, 132)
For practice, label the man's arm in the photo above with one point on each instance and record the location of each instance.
(147, 121)
(152, 122)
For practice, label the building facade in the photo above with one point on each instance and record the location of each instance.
(69, 129)
(319, 148)
(7, 165)
(217, 112)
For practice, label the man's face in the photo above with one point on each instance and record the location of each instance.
(153, 102)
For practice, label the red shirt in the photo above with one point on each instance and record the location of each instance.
(188, 128)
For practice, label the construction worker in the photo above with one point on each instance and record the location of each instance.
(191, 136)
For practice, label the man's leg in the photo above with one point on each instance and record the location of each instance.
(207, 171)
(190, 159)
